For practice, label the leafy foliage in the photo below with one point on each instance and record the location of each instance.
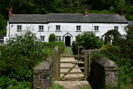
(89, 41)
(52, 38)
(121, 52)
(2, 25)
(111, 34)
(18, 58)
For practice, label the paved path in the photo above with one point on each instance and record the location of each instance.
(75, 84)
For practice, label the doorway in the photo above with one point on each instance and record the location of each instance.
(67, 40)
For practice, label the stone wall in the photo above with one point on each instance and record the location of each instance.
(104, 73)
(42, 75)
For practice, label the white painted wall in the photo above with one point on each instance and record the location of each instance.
(50, 28)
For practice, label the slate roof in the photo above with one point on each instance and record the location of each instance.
(67, 17)
(24, 18)
(130, 23)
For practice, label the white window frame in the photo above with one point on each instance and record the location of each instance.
(116, 27)
(78, 28)
(57, 38)
(41, 28)
(58, 28)
(96, 28)
(42, 38)
(19, 28)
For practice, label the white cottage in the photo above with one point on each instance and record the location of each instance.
(65, 26)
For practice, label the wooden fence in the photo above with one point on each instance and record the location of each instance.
(82, 59)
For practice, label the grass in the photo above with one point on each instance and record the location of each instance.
(56, 86)
(68, 51)
(84, 87)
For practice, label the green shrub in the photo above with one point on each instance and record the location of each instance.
(89, 41)
(75, 47)
(52, 37)
(96, 55)
(19, 57)
(61, 46)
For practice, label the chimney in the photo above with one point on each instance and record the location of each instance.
(121, 12)
(10, 13)
(86, 12)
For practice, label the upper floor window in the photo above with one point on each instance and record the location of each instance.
(96, 28)
(58, 38)
(19, 28)
(78, 28)
(41, 28)
(42, 38)
(115, 27)
(58, 28)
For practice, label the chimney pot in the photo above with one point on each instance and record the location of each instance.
(86, 12)
(121, 12)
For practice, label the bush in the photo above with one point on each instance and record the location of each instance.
(89, 41)
(74, 48)
(18, 59)
(61, 46)
(52, 38)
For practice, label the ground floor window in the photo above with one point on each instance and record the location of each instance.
(58, 38)
(42, 38)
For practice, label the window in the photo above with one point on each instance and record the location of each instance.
(78, 28)
(96, 28)
(58, 38)
(58, 28)
(1, 39)
(19, 28)
(76, 37)
(41, 28)
(115, 27)
(42, 38)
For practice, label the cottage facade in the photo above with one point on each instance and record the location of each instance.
(65, 26)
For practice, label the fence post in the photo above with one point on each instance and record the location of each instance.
(56, 64)
(89, 63)
(85, 66)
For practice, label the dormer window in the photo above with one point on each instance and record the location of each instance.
(57, 28)
(41, 28)
(78, 28)
(115, 27)
(96, 28)
(19, 28)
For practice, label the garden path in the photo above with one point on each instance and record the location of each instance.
(75, 84)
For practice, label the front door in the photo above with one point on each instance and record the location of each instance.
(67, 40)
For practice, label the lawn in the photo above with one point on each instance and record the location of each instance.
(68, 51)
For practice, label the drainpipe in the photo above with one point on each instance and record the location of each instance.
(9, 33)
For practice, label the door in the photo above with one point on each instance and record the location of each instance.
(67, 40)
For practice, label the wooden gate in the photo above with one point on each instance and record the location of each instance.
(80, 59)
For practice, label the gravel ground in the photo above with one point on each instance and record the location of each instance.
(73, 84)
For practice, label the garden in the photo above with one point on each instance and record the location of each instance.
(120, 51)
(19, 57)
(22, 53)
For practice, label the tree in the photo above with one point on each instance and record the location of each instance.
(111, 35)
(52, 38)
(2, 25)
(89, 41)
